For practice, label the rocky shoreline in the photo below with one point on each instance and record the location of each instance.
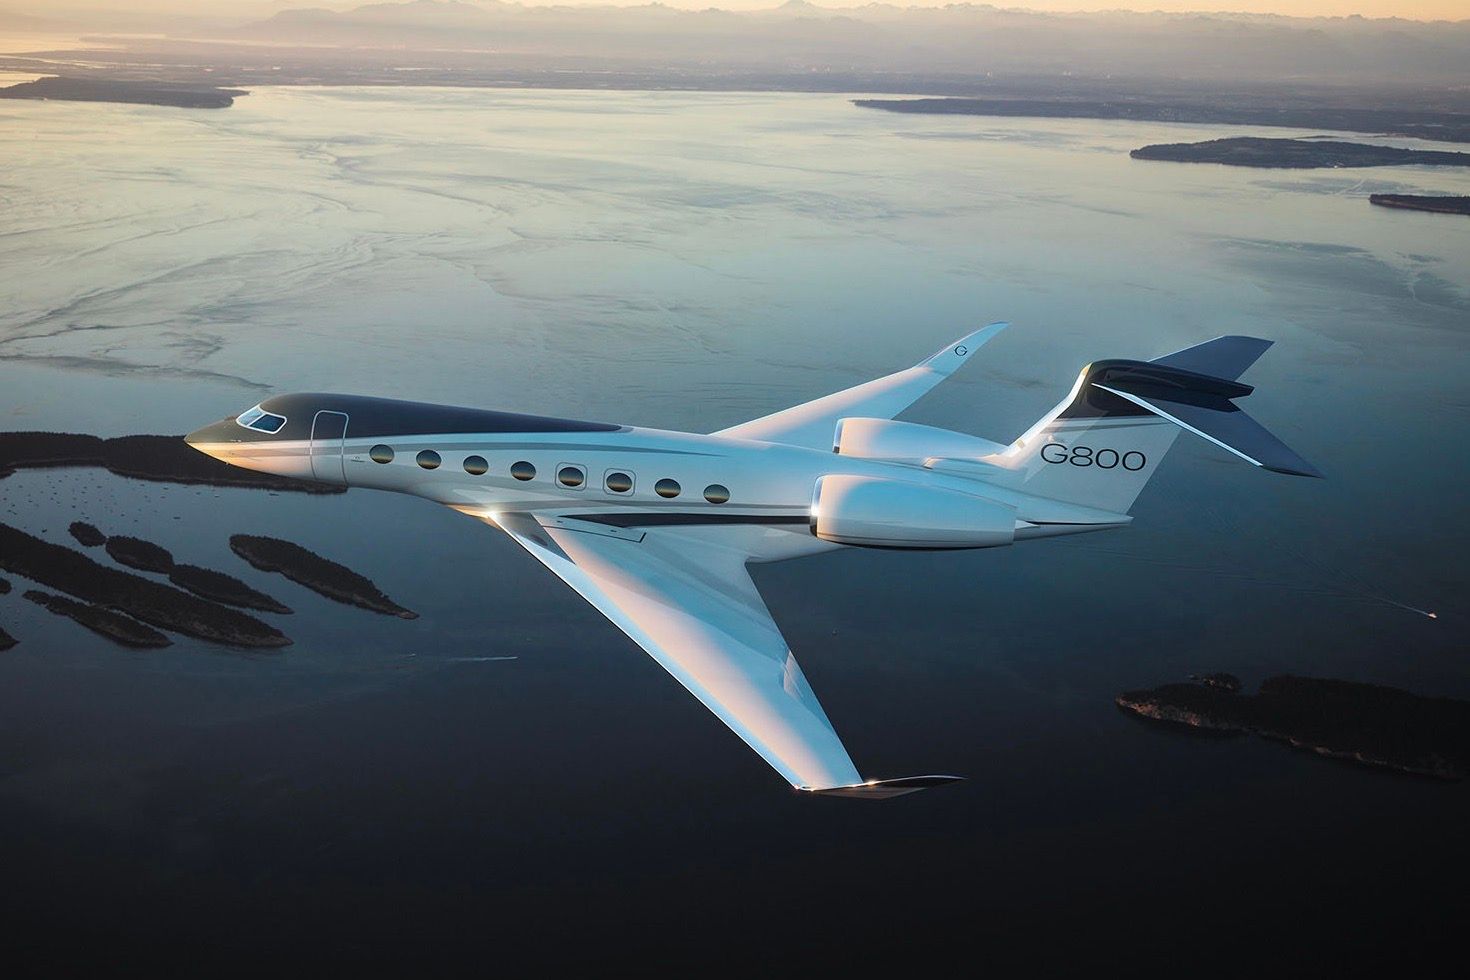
(1369, 724)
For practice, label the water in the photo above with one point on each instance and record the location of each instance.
(688, 261)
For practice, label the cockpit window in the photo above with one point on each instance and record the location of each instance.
(260, 420)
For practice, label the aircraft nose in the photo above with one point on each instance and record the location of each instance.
(213, 434)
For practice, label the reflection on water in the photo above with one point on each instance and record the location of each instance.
(689, 261)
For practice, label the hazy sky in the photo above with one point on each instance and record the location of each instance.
(1418, 9)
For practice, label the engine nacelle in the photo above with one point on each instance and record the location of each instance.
(887, 439)
(876, 513)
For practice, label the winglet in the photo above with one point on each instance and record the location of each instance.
(947, 360)
(884, 789)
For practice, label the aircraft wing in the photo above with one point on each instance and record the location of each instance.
(692, 606)
(812, 423)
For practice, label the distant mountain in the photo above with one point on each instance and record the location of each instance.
(381, 20)
(960, 39)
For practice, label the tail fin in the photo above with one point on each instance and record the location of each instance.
(1101, 445)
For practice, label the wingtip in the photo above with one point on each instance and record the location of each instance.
(883, 789)
(948, 359)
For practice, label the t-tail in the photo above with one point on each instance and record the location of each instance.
(1102, 443)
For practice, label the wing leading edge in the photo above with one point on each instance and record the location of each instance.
(692, 606)
(812, 423)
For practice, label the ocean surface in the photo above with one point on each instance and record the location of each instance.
(689, 261)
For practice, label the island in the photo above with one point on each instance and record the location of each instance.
(219, 587)
(1225, 682)
(181, 95)
(1431, 124)
(101, 620)
(1415, 202)
(87, 535)
(1296, 154)
(1365, 723)
(206, 583)
(163, 606)
(165, 459)
(145, 556)
(321, 575)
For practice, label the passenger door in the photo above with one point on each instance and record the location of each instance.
(328, 432)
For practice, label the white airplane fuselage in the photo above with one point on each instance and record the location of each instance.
(575, 476)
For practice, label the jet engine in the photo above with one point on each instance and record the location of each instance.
(878, 513)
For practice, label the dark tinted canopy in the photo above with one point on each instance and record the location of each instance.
(373, 417)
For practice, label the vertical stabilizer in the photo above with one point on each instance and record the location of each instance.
(1101, 445)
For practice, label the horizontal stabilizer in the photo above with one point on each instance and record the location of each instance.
(886, 789)
(1220, 421)
(1223, 357)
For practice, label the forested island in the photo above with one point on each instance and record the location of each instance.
(1256, 151)
(178, 94)
(135, 610)
(1365, 723)
(200, 602)
(322, 575)
(115, 603)
(1416, 202)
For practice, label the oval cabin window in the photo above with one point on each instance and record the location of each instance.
(381, 453)
(716, 494)
(667, 488)
(476, 465)
(429, 459)
(523, 470)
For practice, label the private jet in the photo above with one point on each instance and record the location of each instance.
(657, 529)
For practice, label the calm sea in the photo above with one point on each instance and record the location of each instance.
(689, 261)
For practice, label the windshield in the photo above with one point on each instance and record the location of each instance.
(260, 420)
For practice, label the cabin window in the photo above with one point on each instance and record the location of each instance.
(667, 488)
(381, 453)
(428, 459)
(716, 493)
(570, 476)
(616, 481)
(476, 465)
(523, 470)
